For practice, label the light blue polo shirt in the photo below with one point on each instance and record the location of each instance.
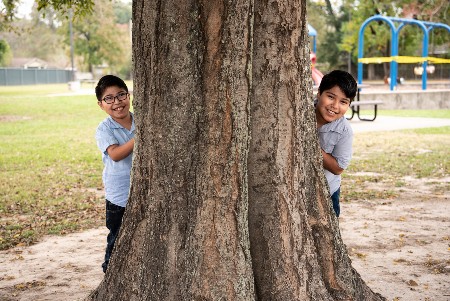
(336, 138)
(116, 175)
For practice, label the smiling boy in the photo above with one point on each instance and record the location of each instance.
(115, 139)
(336, 91)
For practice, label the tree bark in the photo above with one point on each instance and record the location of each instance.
(184, 234)
(297, 252)
(207, 74)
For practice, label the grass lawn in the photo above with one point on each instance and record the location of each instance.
(50, 166)
(388, 157)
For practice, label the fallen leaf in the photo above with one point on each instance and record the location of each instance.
(361, 255)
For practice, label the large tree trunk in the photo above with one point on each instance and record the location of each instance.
(297, 252)
(185, 234)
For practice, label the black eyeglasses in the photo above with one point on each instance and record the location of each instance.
(120, 97)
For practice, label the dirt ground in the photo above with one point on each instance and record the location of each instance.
(399, 246)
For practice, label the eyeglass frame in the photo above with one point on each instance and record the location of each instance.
(126, 94)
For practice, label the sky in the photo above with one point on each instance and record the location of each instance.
(24, 9)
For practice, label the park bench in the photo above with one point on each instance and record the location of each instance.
(356, 105)
(88, 81)
(85, 78)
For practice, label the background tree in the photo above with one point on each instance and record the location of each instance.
(5, 53)
(98, 40)
(38, 37)
(328, 17)
(8, 9)
(122, 11)
(7, 13)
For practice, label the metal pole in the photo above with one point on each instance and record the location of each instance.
(349, 65)
(71, 43)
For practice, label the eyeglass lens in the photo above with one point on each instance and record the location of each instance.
(110, 99)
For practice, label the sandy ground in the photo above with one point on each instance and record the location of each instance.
(399, 246)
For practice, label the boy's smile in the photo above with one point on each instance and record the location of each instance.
(119, 108)
(332, 104)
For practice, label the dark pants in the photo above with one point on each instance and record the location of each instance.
(114, 216)
(335, 199)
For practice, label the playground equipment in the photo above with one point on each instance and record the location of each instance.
(316, 74)
(313, 33)
(394, 59)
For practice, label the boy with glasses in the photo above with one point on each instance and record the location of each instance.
(115, 139)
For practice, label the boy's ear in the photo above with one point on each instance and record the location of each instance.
(100, 104)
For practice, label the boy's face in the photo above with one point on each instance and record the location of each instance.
(118, 109)
(332, 105)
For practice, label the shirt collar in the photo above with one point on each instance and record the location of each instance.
(115, 125)
(337, 125)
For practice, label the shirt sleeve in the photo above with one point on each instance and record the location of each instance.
(342, 151)
(105, 138)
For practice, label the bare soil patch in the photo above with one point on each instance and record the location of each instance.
(399, 246)
(12, 118)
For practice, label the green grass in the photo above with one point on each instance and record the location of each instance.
(419, 153)
(49, 165)
(35, 90)
(387, 157)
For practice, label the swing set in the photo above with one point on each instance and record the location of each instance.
(395, 59)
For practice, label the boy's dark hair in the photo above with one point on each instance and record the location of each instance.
(343, 80)
(108, 81)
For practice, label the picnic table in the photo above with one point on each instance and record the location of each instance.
(356, 105)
